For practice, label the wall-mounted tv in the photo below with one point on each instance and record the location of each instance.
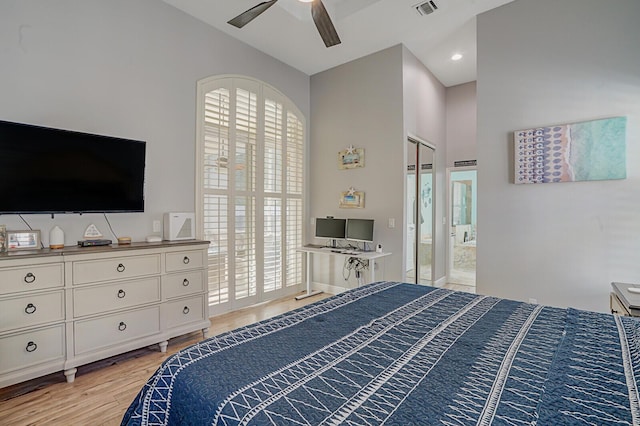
(45, 170)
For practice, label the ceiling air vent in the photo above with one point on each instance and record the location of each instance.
(426, 8)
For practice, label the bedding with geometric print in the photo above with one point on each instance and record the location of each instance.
(402, 354)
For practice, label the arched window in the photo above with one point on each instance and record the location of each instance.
(250, 182)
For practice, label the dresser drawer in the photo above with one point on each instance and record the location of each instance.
(117, 328)
(90, 271)
(97, 299)
(27, 278)
(30, 310)
(184, 260)
(183, 284)
(183, 311)
(31, 348)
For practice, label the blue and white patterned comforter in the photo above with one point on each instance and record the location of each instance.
(401, 354)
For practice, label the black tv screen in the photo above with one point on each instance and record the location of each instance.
(45, 170)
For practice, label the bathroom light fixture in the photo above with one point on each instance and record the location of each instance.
(456, 57)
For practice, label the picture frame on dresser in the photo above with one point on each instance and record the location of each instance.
(23, 240)
(3, 238)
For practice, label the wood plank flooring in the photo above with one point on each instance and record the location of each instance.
(103, 390)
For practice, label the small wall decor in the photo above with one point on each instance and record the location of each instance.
(23, 240)
(590, 150)
(351, 158)
(352, 199)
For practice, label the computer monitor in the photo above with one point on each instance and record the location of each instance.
(328, 227)
(359, 230)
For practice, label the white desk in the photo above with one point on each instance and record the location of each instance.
(325, 251)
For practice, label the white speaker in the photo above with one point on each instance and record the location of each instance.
(179, 226)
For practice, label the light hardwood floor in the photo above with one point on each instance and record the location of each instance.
(103, 390)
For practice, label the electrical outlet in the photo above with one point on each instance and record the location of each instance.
(157, 227)
(392, 222)
(533, 301)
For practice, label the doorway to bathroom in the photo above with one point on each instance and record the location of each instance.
(463, 206)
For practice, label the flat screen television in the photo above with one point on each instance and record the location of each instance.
(331, 228)
(45, 170)
(359, 230)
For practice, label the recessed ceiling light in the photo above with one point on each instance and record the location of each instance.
(305, 1)
(456, 57)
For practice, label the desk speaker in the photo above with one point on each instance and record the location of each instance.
(179, 226)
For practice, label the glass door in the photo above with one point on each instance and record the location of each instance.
(420, 213)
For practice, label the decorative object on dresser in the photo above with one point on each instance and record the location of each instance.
(3, 238)
(65, 308)
(124, 240)
(23, 240)
(56, 238)
(179, 226)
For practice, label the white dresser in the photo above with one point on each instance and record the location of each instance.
(60, 309)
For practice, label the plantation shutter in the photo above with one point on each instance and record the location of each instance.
(251, 190)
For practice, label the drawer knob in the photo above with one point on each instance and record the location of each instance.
(29, 278)
(122, 326)
(185, 282)
(121, 294)
(31, 346)
(120, 267)
(185, 310)
(31, 308)
(186, 260)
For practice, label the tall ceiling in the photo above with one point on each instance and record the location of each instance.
(287, 32)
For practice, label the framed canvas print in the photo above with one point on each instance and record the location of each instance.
(589, 150)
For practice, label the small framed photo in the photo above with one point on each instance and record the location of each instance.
(352, 200)
(351, 158)
(3, 238)
(23, 240)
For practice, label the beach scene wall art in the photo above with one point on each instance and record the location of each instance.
(589, 150)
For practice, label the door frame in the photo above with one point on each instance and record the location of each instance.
(448, 245)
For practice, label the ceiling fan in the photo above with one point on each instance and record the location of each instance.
(318, 12)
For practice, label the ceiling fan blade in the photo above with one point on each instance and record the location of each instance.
(324, 24)
(251, 14)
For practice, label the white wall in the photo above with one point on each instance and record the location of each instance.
(127, 69)
(424, 116)
(462, 132)
(359, 103)
(552, 62)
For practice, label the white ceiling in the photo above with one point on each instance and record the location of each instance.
(287, 32)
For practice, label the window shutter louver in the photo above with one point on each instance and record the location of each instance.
(251, 189)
